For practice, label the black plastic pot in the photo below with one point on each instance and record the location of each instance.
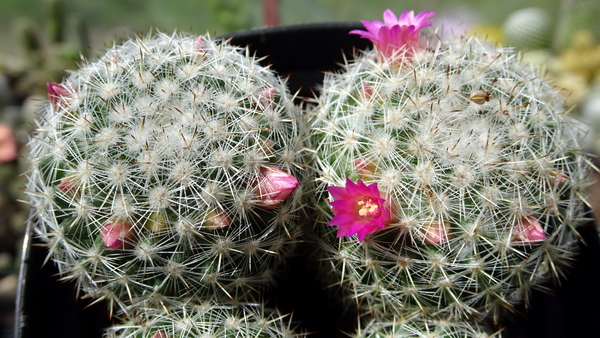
(48, 308)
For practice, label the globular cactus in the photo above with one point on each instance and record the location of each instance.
(168, 168)
(420, 327)
(457, 168)
(205, 319)
(528, 28)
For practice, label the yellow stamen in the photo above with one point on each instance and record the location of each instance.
(369, 207)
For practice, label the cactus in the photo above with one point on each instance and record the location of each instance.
(419, 327)
(205, 319)
(168, 168)
(528, 28)
(457, 168)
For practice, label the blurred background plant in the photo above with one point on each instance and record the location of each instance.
(41, 38)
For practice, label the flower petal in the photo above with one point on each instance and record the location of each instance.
(342, 218)
(344, 204)
(338, 192)
(389, 17)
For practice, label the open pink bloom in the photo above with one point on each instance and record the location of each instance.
(8, 144)
(396, 36)
(117, 234)
(358, 208)
(274, 187)
(528, 230)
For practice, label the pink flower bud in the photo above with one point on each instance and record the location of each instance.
(364, 168)
(216, 221)
(8, 144)
(68, 185)
(265, 97)
(117, 234)
(528, 230)
(274, 187)
(436, 233)
(367, 90)
(160, 334)
(56, 93)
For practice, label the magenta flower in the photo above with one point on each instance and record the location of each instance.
(358, 208)
(396, 37)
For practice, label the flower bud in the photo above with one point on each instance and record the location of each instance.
(479, 96)
(156, 222)
(528, 230)
(56, 93)
(116, 234)
(367, 90)
(68, 185)
(8, 144)
(274, 187)
(436, 233)
(160, 334)
(364, 168)
(265, 97)
(216, 221)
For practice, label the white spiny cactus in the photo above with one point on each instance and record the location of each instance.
(205, 319)
(167, 168)
(469, 179)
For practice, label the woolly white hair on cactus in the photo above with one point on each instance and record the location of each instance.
(168, 167)
(456, 166)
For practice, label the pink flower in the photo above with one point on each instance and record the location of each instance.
(117, 234)
(358, 208)
(8, 144)
(274, 187)
(396, 37)
(528, 230)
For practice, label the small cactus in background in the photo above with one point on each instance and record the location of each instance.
(457, 168)
(205, 319)
(528, 28)
(168, 168)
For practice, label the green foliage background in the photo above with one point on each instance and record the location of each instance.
(106, 17)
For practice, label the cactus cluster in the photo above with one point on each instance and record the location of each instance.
(468, 179)
(169, 177)
(168, 169)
